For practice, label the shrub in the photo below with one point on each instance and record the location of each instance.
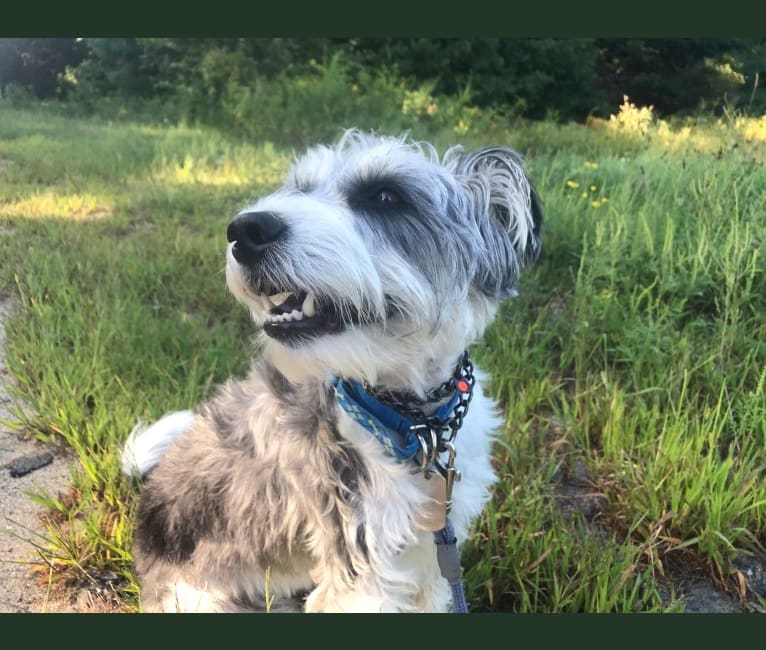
(631, 119)
(17, 95)
(330, 97)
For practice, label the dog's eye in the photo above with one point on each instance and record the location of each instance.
(387, 196)
(380, 194)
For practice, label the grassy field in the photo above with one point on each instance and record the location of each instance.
(632, 368)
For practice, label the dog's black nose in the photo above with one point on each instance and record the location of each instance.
(252, 233)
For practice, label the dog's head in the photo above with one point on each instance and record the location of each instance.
(378, 261)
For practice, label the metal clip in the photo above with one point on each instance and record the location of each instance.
(424, 456)
(429, 448)
(449, 472)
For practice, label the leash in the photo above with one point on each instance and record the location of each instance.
(448, 557)
(407, 434)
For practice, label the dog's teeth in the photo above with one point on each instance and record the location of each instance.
(287, 317)
(296, 315)
(308, 308)
(278, 298)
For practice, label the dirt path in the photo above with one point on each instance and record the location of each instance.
(23, 590)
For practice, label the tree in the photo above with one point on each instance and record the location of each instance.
(37, 63)
(670, 74)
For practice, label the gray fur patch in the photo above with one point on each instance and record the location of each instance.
(216, 487)
(164, 531)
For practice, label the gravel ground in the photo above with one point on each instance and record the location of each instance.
(24, 589)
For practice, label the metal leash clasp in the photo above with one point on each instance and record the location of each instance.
(450, 473)
(429, 447)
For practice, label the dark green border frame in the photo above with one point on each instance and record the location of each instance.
(448, 631)
(442, 18)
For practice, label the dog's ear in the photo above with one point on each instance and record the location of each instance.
(508, 214)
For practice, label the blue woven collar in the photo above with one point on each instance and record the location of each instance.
(393, 429)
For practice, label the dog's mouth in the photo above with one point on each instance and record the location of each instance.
(300, 315)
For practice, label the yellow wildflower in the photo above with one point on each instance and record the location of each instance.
(574, 185)
(584, 195)
(595, 204)
(591, 165)
(593, 188)
(461, 128)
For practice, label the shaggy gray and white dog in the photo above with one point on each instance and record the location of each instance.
(377, 262)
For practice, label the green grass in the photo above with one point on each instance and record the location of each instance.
(637, 346)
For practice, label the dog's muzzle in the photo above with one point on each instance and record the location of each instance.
(295, 313)
(252, 233)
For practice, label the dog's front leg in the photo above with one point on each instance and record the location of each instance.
(404, 581)
(364, 596)
(327, 598)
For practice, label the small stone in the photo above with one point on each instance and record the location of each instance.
(754, 570)
(26, 464)
(703, 598)
(580, 473)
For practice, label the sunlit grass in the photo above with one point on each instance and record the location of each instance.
(242, 167)
(48, 204)
(752, 129)
(637, 347)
